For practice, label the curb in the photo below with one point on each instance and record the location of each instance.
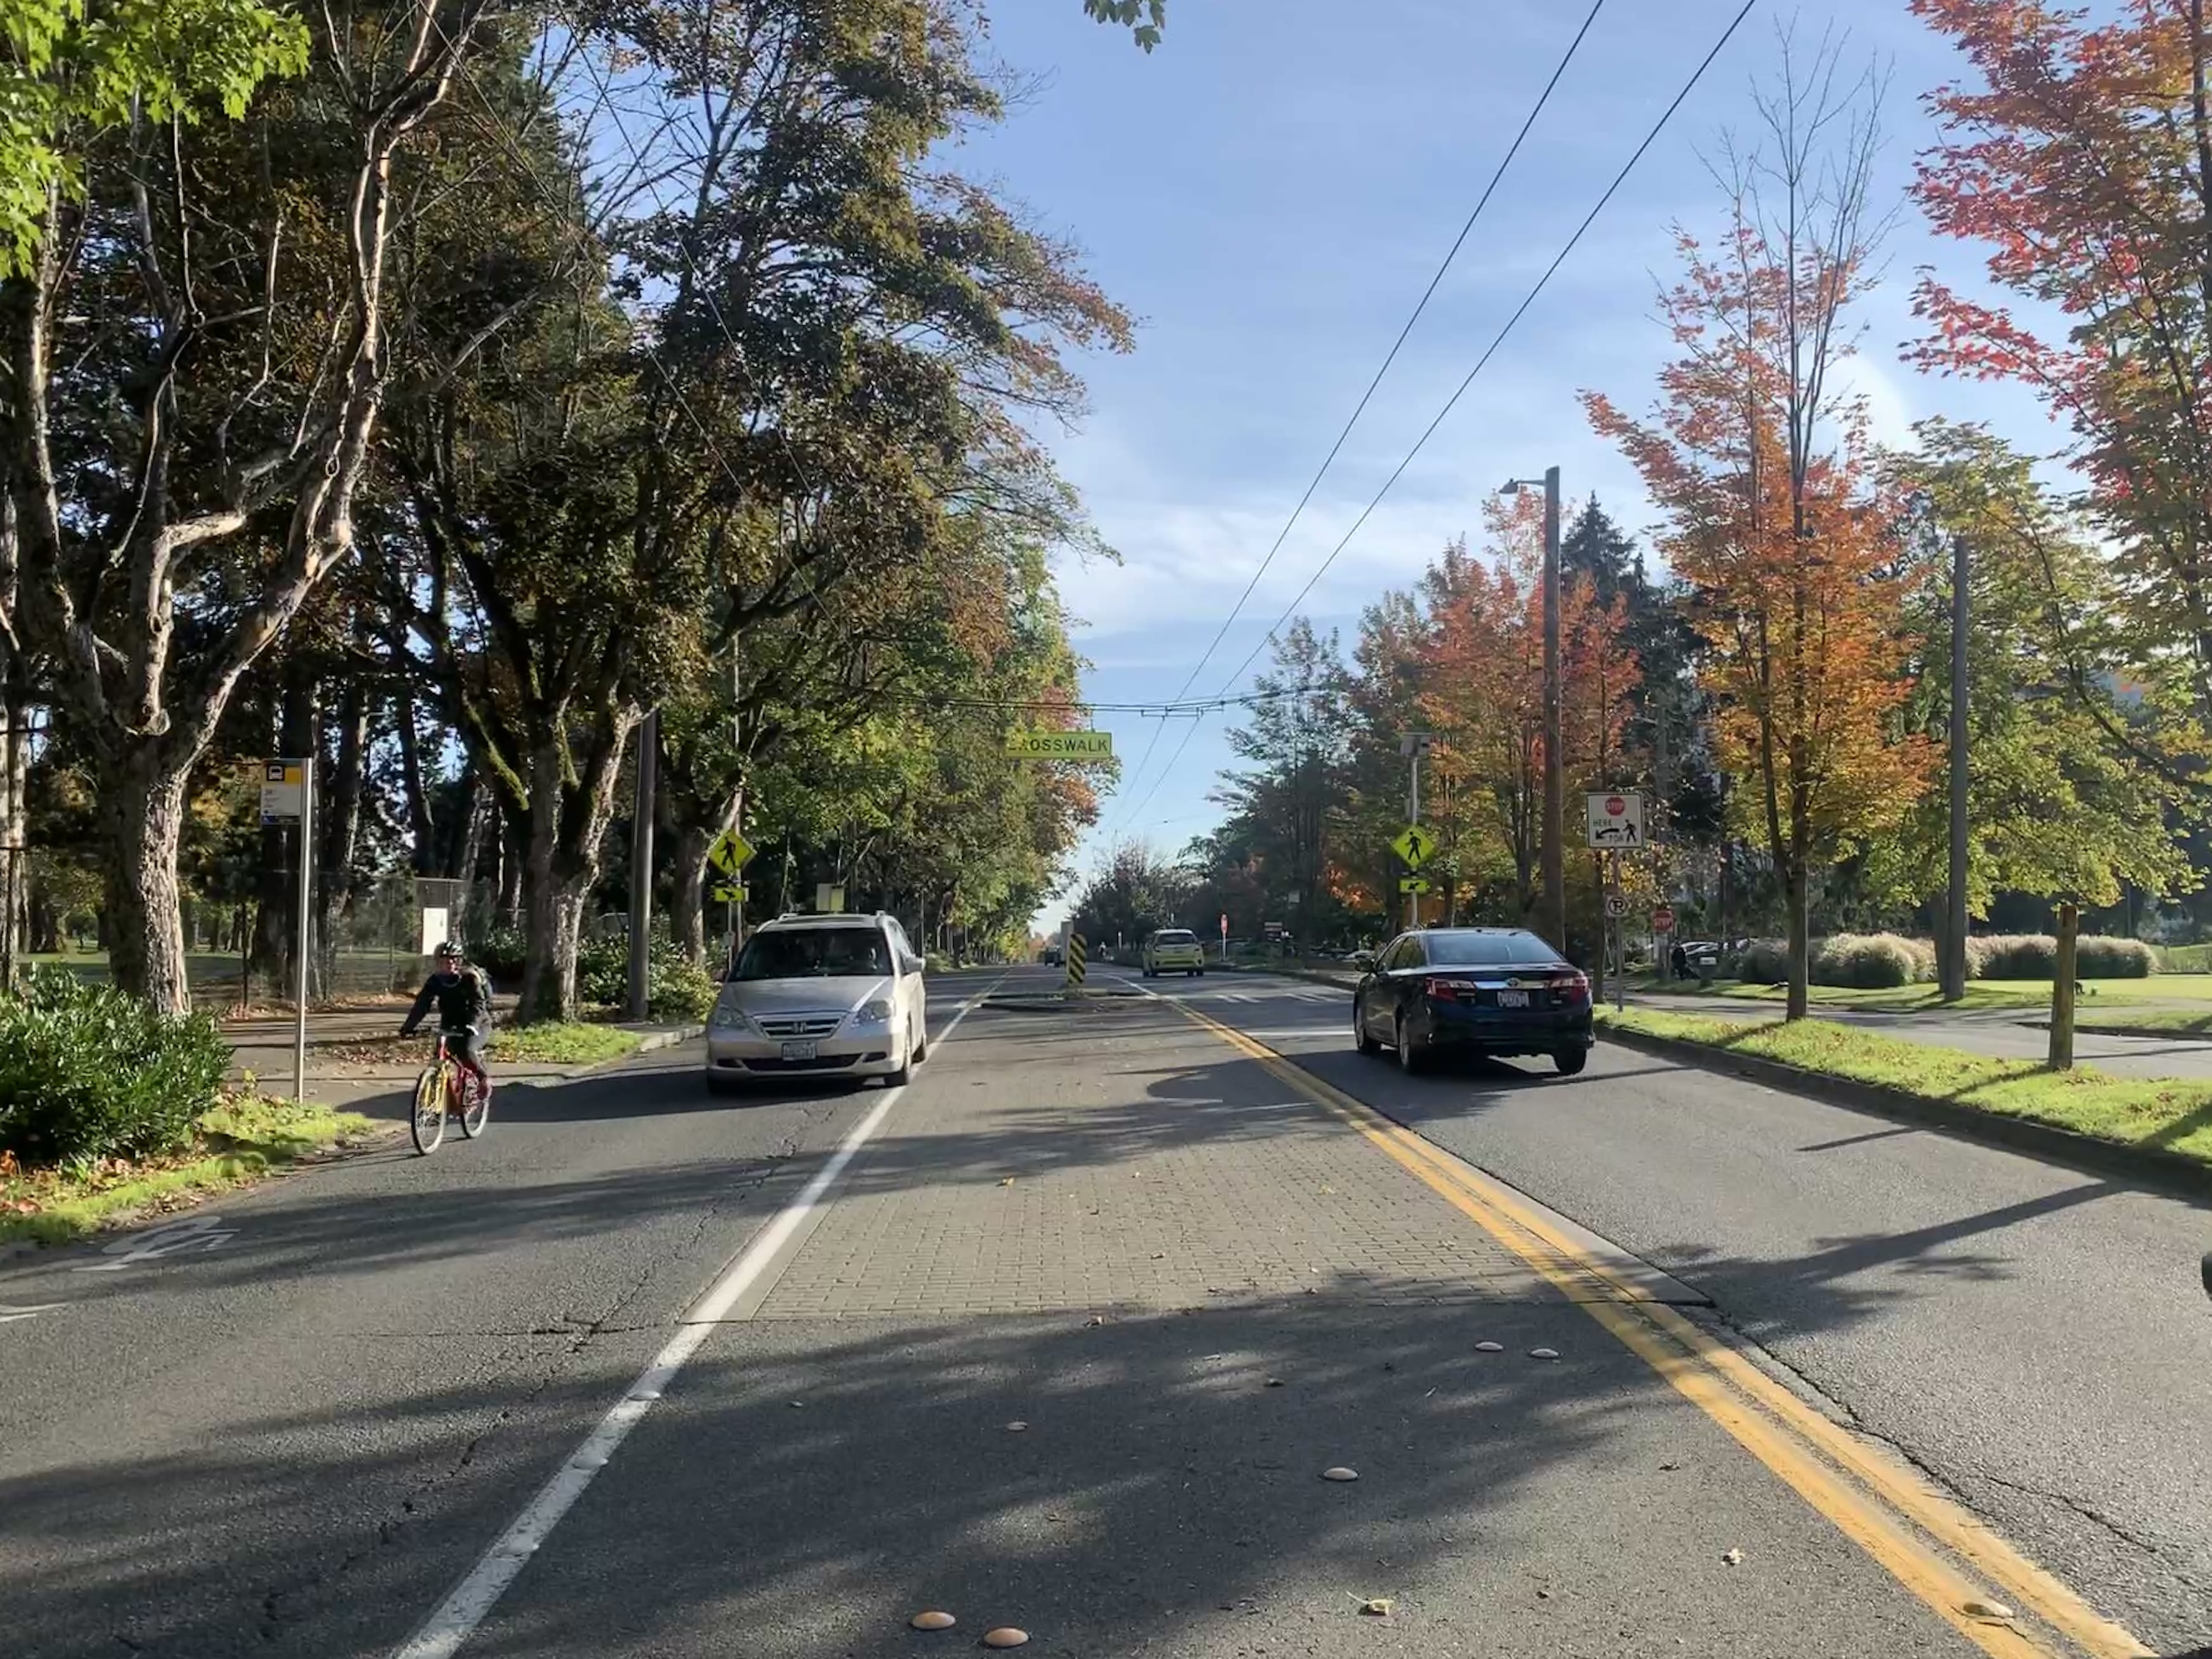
(2171, 1172)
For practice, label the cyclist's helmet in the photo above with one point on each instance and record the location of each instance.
(449, 952)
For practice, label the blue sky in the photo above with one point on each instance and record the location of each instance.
(1270, 191)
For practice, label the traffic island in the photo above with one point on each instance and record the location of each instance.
(2156, 1130)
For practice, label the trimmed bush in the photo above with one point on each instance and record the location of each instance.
(2035, 955)
(1872, 962)
(1763, 961)
(86, 1071)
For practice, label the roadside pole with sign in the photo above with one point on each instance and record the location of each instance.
(729, 855)
(288, 795)
(1224, 936)
(1614, 818)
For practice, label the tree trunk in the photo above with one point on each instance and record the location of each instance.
(513, 853)
(2062, 988)
(554, 933)
(421, 825)
(1796, 888)
(338, 820)
(690, 913)
(470, 854)
(144, 792)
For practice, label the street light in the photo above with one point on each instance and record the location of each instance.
(1555, 869)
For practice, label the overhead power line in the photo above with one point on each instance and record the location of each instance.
(1398, 345)
(1542, 283)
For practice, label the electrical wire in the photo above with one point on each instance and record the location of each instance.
(1542, 283)
(1367, 397)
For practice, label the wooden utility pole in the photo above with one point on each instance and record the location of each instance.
(1955, 924)
(1555, 811)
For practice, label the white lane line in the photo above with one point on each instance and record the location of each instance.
(472, 1599)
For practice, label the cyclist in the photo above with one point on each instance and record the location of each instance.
(463, 996)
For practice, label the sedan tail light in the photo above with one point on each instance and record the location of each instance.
(1572, 987)
(1448, 990)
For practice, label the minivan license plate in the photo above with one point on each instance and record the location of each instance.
(800, 1051)
(1505, 999)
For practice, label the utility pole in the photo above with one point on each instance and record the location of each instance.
(1554, 916)
(640, 868)
(1416, 743)
(1955, 929)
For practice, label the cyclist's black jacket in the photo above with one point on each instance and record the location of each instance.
(464, 999)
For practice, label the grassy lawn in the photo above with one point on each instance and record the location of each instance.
(2145, 1022)
(554, 1044)
(1981, 995)
(237, 1142)
(2170, 1115)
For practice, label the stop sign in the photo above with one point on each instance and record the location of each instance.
(1615, 807)
(1663, 920)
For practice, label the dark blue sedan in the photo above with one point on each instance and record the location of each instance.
(1473, 991)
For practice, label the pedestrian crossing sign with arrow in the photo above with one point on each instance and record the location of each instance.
(730, 896)
(1414, 845)
(1412, 885)
(730, 853)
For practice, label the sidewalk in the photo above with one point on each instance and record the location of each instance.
(261, 1047)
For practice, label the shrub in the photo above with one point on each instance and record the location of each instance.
(2035, 955)
(499, 952)
(88, 1071)
(2188, 959)
(1763, 961)
(603, 971)
(679, 993)
(2099, 956)
(936, 962)
(1872, 962)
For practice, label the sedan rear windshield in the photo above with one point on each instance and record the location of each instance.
(1489, 950)
(1178, 935)
(815, 953)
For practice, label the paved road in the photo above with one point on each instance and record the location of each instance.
(1197, 1278)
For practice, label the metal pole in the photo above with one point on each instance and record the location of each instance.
(641, 869)
(1414, 817)
(1954, 931)
(1555, 870)
(301, 943)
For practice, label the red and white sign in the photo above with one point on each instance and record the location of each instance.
(1663, 920)
(1615, 818)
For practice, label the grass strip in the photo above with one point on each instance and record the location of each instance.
(557, 1044)
(2169, 1115)
(241, 1141)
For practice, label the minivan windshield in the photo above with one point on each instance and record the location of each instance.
(1448, 950)
(1174, 936)
(815, 953)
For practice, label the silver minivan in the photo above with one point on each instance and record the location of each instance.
(834, 996)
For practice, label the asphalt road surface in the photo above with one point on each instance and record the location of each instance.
(1064, 1336)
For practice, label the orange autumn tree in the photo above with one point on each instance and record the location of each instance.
(1483, 679)
(1762, 465)
(2079, 153)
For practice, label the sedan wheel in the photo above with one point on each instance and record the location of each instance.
(1362, 1038)
(1412, 1058)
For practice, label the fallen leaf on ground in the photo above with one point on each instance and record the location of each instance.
(1734, 1557)
(1987, 1610)
(1376, 1606)
(933, 1619)
(1339, 1474)
(1016, 1427)
(1005, 1637)
(1489, 1347)
(1543, 1353)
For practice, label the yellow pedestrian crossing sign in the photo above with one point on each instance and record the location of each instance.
(1415, 845)
(730, 896)
(731, 853)
(1412, 885)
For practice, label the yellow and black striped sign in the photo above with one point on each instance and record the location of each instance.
(1076, 959)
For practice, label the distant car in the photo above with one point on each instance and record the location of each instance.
(820, 996)
(1493, 991)
(1173, 950)
(1051, 957)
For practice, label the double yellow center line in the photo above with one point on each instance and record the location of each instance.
(1973, 1579)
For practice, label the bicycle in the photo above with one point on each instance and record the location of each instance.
(443, 1086)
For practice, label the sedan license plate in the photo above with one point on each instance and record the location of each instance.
(801, 1051)
(1513, 998)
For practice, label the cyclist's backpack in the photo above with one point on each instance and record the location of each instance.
(479, 994)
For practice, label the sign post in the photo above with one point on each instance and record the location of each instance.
(287, 794)
(729, 855)
(1224, 936)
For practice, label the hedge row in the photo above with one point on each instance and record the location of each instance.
(1881, 961)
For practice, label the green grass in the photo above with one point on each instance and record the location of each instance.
(240, 1141)
(2144, 1022)
(2170, 1115)
(557, 1044)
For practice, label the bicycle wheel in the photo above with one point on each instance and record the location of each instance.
(426, 1123)
(475, 1105)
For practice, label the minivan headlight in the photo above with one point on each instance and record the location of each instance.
(878, 1013)
(728, 1017)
